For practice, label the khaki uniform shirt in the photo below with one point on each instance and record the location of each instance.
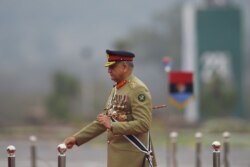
(131, 106)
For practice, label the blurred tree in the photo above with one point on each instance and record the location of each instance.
(66, 90)
(65, 84)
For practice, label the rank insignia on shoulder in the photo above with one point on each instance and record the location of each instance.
(132, 85)
(141, 97)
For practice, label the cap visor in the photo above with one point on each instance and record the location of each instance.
(109, 63)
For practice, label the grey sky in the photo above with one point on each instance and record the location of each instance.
(37, 35)
(35, 31)
(38, 29)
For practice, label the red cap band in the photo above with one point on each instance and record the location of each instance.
(119, 58)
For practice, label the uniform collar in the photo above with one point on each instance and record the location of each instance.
(123, 82)
(120, 84)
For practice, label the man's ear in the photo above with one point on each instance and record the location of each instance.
(125, 67)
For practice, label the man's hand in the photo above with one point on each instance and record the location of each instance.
(70, 142)
(104, 120)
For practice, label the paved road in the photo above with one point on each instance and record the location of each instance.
(94, 155)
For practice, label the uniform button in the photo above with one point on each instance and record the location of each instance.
(108, 141)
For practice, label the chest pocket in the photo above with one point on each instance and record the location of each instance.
(121, 108)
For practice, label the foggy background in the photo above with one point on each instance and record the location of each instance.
(53, 79)
(45, 42)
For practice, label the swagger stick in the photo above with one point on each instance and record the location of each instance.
(159, 106)
(153, 108)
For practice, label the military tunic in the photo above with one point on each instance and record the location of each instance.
(131, 106)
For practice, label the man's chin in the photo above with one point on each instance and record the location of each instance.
(113, 79)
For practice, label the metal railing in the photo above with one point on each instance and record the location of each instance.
(216, 153)
(11, 150)
(216, 145)
(61, 156)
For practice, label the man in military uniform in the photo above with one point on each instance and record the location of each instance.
(127, 117)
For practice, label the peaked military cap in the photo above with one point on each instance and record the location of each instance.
(120, 55)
